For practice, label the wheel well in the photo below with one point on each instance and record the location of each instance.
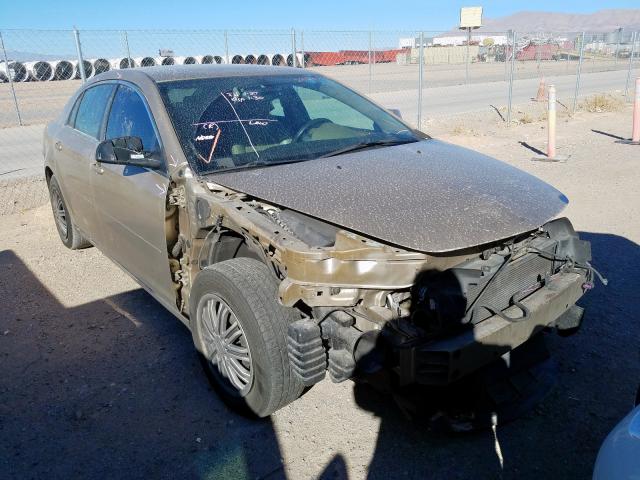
(229, 245)
(48, 173)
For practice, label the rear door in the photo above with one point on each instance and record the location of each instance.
(75, 149)
(131, 201)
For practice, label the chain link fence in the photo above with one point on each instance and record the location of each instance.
(405, 70)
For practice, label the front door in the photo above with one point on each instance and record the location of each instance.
(131, 201)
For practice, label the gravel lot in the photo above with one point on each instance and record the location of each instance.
(98, 381)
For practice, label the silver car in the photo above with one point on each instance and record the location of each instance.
(619, 455)
(297, 228)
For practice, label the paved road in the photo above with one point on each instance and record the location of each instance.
(458, 99)
(21, 156)
(20, 152)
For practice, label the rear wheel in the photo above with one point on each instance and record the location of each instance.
(69, 234)
(240, 331)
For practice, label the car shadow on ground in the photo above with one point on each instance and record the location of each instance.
(85, 393)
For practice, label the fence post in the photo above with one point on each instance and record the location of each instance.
(635, 132)
(293, 48)
(226, 46)
(513, 61)
(618, 43)
(634, 37)
(466, 73)
(125, 37)
(509, 33)
(76, 36)
(13, 92)
(420, 78)
(369, 61)
(302, 48)
(373, 55)
(575, 95)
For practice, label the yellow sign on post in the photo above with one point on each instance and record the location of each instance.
(470, 17)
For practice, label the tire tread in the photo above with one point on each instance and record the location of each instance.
(75, 240)
(254, 282)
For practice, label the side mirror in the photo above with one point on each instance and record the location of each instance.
(126, 151)
(396, 112)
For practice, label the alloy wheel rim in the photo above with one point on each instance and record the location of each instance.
(60, 213)
(225, 344)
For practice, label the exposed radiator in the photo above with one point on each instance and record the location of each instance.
(518, 275)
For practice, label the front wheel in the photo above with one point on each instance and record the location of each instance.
(240, 331)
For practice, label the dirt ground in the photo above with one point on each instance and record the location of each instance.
(98, 381)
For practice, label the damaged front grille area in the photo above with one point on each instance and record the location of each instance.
(454, 320)
(484, 286)
(518, 279)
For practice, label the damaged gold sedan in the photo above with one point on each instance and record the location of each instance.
(297, 228)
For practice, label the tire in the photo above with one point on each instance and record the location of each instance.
(69, 233)
(249, 291)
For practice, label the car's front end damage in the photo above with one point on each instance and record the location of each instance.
(366, 304)
(434, 319)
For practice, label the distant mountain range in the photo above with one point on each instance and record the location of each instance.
(600, 21)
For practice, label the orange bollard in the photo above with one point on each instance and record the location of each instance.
(635, 129)
(551, 123)
(551, 131)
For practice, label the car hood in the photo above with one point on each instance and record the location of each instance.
(429, 196)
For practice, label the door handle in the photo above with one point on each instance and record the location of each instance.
(98, 168)
(58, 146)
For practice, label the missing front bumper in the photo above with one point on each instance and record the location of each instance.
(441, 362)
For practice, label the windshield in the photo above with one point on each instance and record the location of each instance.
(239, 122)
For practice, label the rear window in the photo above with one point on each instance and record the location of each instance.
(72, 116)
(91, 109)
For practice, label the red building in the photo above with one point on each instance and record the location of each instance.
(345, 57)
(538, 52)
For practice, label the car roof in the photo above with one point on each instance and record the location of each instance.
(165, 73)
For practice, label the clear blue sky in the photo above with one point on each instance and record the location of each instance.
(271, 14)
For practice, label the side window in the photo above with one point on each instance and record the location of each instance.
(319, 105)
(91, 109)
(129, 118)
